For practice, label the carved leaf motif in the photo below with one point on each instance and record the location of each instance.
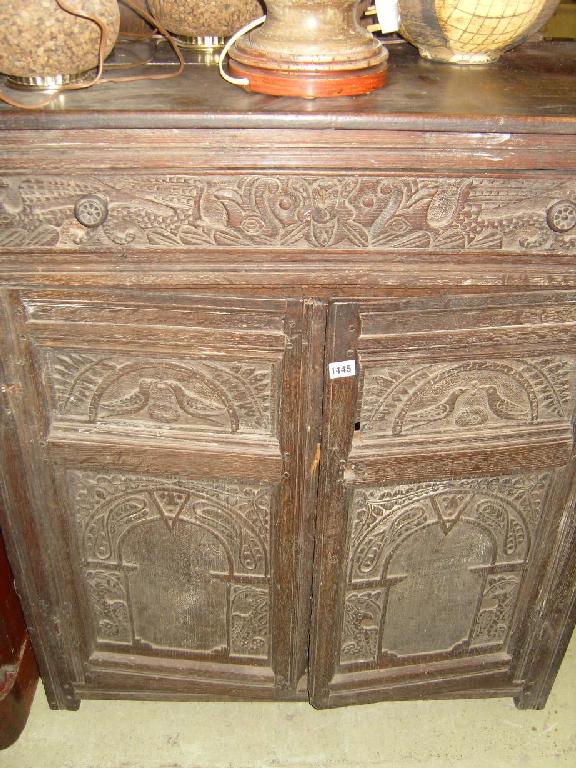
(249, 622)
(471, 534)
(509, 507)
(362, 617)
(10, 198)
(40, 236)
(385, 535)
(291, 211)
(168, 562)
(108, 505)
(108, 599)
(496, 610)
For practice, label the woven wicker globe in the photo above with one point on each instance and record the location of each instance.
(471, 31)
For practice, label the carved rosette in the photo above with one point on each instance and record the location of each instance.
(386, 212)
(435, 568)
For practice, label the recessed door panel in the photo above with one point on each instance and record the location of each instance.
(174, 441)
(445, 460)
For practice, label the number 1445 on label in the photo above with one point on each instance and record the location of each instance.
(341, 369)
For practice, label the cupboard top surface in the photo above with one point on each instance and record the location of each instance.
(531, 90)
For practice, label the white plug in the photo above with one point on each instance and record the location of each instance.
(388, 15)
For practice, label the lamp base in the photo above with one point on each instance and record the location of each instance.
(311, 49)
(200, 42)
(47, 82)
(310, 85)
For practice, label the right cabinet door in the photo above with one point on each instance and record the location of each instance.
(445, 485)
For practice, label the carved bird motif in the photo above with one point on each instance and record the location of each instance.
(440, 410)
(502, 407)
(470, 406)
(357, 620)
(166, 402)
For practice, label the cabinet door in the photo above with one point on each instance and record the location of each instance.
(445, 472)
(164, 442)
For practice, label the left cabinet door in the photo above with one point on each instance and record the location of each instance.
(160, 448)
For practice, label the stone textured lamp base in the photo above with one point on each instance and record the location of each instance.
(43, 46)
(190, 22)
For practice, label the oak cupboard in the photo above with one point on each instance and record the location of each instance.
(193, 507)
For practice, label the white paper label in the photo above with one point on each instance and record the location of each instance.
(388, 17)
(342, 369)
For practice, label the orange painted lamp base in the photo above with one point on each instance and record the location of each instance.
(310, 85)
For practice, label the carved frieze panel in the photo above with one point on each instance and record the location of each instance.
(210, 395)
(175, 566)
(435, 568)
(292, 211)
(405, 399)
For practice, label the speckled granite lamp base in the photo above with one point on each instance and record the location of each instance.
(204, 24)
(44, 46)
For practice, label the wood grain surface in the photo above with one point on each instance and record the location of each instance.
(193, 509)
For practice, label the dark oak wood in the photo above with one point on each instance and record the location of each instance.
(419, 95)
(438, 508)
(193, 508)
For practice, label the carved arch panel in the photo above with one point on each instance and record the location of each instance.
(435, 568)
(173, 566)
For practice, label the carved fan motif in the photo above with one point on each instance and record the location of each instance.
(444, 397)
(216, 396)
